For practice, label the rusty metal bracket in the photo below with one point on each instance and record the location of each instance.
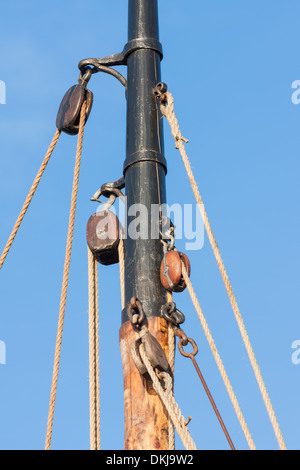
(114, 187)
(111, 191)
(104, 64)
(142, 43)
(121, 57)
(108, 61)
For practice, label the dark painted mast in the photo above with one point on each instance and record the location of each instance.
(146, 424)
(145, 165)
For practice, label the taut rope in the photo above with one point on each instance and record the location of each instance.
(167, 109)
(63, 298)
(94, 353)
(29, 197)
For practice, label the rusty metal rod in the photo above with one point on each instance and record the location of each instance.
(192, 357)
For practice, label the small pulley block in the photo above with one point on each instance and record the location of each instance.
(171, 270)
(154, 351)
(102, 234)
(68, 115)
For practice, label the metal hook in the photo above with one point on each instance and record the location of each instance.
(97, 67)
(85, 76)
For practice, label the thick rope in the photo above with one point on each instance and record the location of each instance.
(94, 353)
(171, 359)
(167, 397)
(63, 298)
(122, 271)
(168, 111)
(218, 359)
(97, 354)
(29, 197)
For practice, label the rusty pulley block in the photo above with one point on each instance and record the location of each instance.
(68, 115)
(171, 270)
(102, 234)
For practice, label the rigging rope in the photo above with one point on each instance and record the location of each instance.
(167, 397)
(94, 353)
(167, 109)
(218, 359)
(122, 271)
(171, 360)
(63, 298)
(29, 197)
(97, 355)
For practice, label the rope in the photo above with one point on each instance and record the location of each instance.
(63, 298)
(94, 353)
(218, 359)
(122, 271)
(171, 358)
(169, 401)
(29, 197)
(168, 111)
(97, 354)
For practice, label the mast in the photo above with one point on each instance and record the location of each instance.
(146, 422)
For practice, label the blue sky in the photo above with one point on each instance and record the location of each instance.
(230, 66)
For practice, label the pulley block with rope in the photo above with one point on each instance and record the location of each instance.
(102, 234)
(171, 271)
(68, 115)
(171, 275)
(103, 228)
(151, 345)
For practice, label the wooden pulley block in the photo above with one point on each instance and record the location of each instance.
(68, 115)
(154, 351)
(171, 271)
(102, 234)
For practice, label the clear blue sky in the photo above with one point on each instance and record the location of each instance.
(230, 66)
